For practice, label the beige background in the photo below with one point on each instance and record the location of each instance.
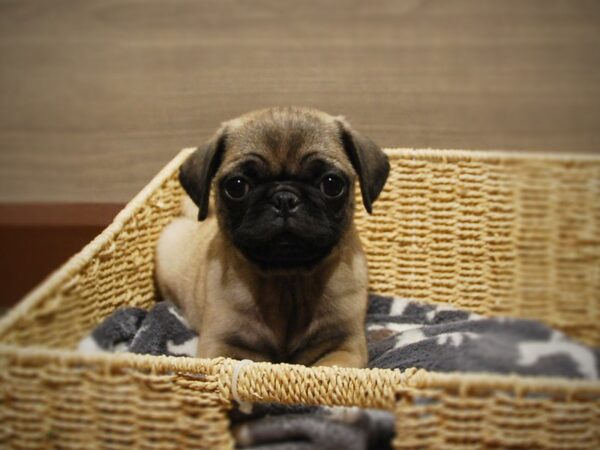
(95, 96)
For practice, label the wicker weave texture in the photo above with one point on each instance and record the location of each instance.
(66, 400)
(107, 403)
(499, 420)
(445, 411)
(495, 233)
(498, 234)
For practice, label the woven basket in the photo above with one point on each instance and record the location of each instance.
(495, 233)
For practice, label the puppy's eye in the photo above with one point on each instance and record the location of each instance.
(236, 188)
(332, 185)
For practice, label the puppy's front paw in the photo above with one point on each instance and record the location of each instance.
(341, 358)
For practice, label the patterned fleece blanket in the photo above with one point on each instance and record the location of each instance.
(401, 333)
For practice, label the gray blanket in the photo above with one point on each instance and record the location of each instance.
(401, 333)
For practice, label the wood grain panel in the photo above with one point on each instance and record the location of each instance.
(96, 95)
(30, 254)
(35, 239)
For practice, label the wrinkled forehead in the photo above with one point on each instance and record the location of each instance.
(285, 143)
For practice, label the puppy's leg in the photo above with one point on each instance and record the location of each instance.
(176, 269)
(211, 348)
(353, 353)
(341, 358)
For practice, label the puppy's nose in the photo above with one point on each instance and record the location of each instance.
(285, 202)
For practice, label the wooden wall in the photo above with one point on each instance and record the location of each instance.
(96, 95)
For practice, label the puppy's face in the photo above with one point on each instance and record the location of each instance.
(284, 190)
(284, 183)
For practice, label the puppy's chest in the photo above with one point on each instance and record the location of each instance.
(287, 312)
(289, 322)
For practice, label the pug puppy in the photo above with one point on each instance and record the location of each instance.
(273, 269)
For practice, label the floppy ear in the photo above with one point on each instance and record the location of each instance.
(369, 161)
(197, 172)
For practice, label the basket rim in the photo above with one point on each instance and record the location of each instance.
(441, 154)
(262, 381)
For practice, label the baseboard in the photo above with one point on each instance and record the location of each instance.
(36, 239)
